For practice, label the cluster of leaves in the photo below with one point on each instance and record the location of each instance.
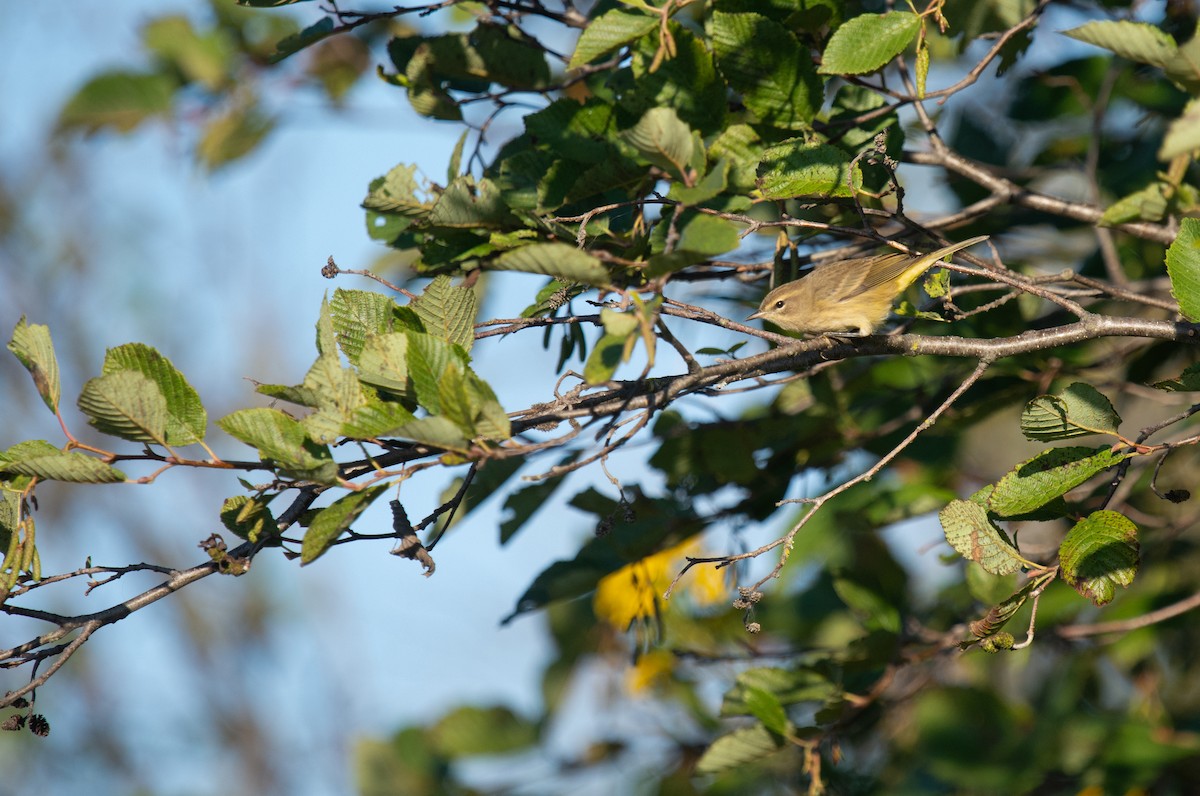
(660, 147)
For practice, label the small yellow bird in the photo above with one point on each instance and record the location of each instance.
(848, 295)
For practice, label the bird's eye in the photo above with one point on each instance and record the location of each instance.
(778, 305)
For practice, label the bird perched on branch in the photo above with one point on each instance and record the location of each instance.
(848, 295)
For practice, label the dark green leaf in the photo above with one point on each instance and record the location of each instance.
(331, 521)
(1100, 553)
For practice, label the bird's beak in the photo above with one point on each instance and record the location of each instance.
(754, 315)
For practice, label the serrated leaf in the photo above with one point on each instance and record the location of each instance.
(127, 405)
(40, 459)
(739, 748)
(428, 360)
(1183, 267)
(490, 419)
(1137, 41)
(609, 32)
(559, 260)
(1054, 472)
(331, 521)
(187, 422)
(662, 140)
(397, 192)
(764, 61)
(1078, 410)
(357, 314)
(448, 311)
(796, 168)
(976, 538)
(283, 440)
(868, 42)
(1100, 553)
(33, 348)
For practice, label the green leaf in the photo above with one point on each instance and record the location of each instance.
(186, 422)
(761, 59)
(290, 45)
(707, 235)
(1147, 204)
(376, 420)
(1100, 553)
(469, 731)
(127, 405)
(1137, 41)
(1188, 381)
(40, 459)
(469, 204)
(1076, 411)
(397, 192)
(383, 362)
(1183, 134)
(331, 521)
(121, 100)
(795, 168)
(1183, 267)
(204, 59)
(876, 609)
(448, 311)
(976, 538)
(1051, 473)
(436, 432)
(249, 517)
(738, 749)
(357, 314)
(998, 615)
(686, 81)
(429, 358)
(612, 348)
(583, 133)
(662, 140)
(523, 503)
(609, 32)
(869, 42)
(713, 183)
(787, 686)
(232, 135)
(559, 260)
(282, 439)
(740, 145)
(767, 708)
(33, 348)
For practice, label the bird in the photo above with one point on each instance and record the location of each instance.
(848, 295)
